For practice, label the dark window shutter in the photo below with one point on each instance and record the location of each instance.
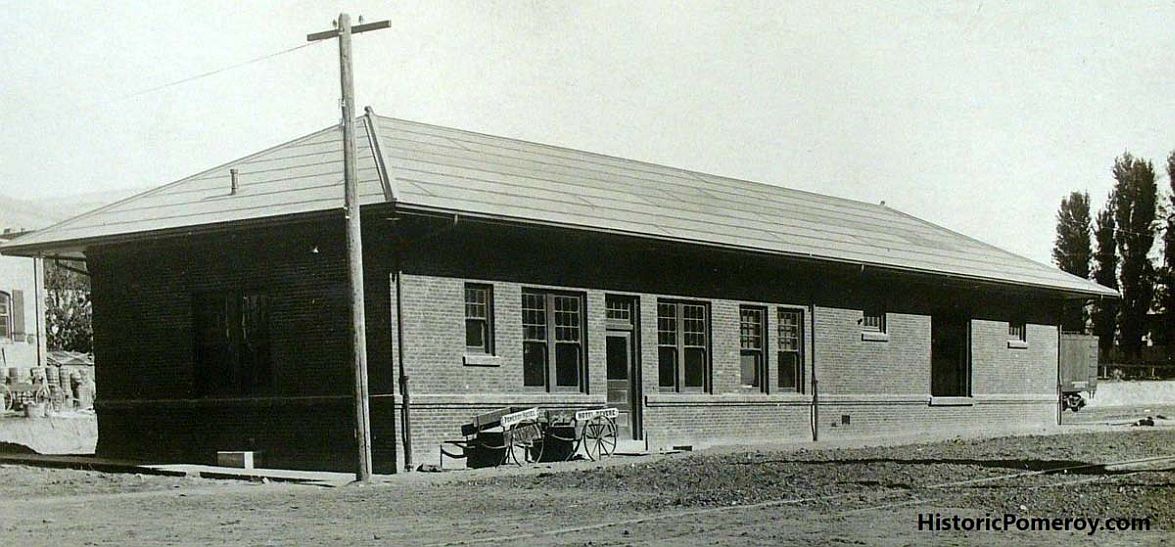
(17, 314)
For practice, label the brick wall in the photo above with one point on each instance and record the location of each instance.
(882, 386)
(1000, 369)
(847, 364)
(144, 340)
(445, 392)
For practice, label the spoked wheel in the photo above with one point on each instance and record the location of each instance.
(42, 395)
(564, 444)
(489, 449)
(524, 441)
(599, 437)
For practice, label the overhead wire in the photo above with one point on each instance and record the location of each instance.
(202, 75)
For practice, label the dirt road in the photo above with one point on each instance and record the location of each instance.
(820, 497)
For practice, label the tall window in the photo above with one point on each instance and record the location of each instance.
(791, 350)
(479, 319)
(873, 320)
(553, 340)
(5, 315)
(232, 344)
(683, 353)
(753, 369)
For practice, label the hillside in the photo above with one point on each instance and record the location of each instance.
(19, 214)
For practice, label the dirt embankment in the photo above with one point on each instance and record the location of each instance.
(72, 433)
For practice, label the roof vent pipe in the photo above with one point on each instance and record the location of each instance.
(233, 174)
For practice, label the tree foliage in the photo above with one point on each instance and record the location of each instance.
(1166, 289)
(1105, 273)
(1071, 251)
(67, 295)
(1134, 214)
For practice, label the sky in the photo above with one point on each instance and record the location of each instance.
(978, 116)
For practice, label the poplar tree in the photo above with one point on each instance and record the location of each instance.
(1105, 272)
(1071, 252)
(1134, 214)
(1166, 296)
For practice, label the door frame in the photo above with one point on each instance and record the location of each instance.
(635, 390)
(961, 321)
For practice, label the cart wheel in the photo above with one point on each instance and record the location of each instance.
(483, 444)
(41, 396)
(574, 440)
(599, 437)
(524, 441)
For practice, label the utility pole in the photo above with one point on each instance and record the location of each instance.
(343, 31)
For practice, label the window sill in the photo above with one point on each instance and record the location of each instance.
(1017, 344)
(951, 401)
(875, 337)
(481, 360)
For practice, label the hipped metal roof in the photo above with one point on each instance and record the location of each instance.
(430, 168)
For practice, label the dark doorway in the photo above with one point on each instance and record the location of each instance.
(623, 372)
(950, 356)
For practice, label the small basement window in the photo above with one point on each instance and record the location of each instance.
(479, 319)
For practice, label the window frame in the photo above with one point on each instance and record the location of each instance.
(6, 315)
(238, 344)
(1018, 331)
(551, 340)
(879, 325)
(799, 350)
(761, 377)
(488, 335)
(1017, 340)
(679, 346)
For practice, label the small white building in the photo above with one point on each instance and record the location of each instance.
(22, 311)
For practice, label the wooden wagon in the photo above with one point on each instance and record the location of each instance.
(526, 435)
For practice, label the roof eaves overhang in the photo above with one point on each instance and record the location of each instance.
(1064, 292)
(78, 246)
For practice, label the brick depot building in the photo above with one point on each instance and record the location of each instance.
(507, 273)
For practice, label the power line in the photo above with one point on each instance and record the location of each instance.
(203, 75)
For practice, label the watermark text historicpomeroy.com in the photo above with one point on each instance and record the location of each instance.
(1011, 522)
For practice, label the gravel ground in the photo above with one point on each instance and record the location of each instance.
(736, 497)
(840, 476)
(26, 482)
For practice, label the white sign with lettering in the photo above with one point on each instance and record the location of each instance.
(584, 415)
(515, 417)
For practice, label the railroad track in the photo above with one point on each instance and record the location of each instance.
(1122, 467)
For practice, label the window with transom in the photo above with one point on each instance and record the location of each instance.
(683, 349)
(553, 349)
